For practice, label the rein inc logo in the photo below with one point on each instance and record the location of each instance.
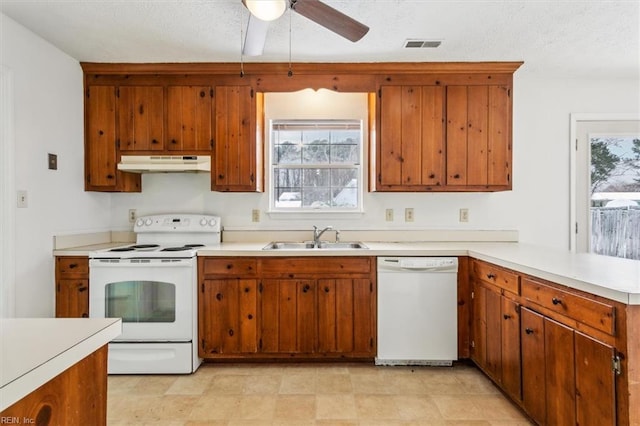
(5, 420)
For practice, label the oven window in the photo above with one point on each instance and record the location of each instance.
(141, 301)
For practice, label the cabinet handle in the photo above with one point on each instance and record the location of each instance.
(306, 288)
(219, 296)
(432, 175)
(506, 316)
(491, 276)
(82, 289)
(528, 330)
(154, 141)
(456, 176)
(556, 301)
(231, 333)
(326, 289)
(246, 289)
(73, 265)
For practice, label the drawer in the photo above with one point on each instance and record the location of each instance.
(590, 312)
(230, 266)
(497, 276)
(312, 267)
(72, 266)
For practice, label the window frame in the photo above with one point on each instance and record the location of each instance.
(321, 211)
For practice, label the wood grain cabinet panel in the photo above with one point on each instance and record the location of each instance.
(272, 307)
(237, 155)
(190, 118)
(478, 142)
(101, 144)
(72, 287)
(411, 145)
(533, 365)
(497, 276)
(141, 118)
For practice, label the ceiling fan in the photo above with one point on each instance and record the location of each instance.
(264, 11)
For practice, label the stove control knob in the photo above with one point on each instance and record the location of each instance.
(148, 222)
(212, 222)
(139, 222)
(203, 222)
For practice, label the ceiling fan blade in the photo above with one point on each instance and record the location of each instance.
(330, 18)
(255, 37)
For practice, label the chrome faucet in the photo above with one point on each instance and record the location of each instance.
(317, 233)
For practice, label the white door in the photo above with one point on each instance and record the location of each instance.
(604, 169)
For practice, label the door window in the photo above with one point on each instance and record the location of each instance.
(606, 186)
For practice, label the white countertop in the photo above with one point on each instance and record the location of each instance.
(35, 350)
(610, 277)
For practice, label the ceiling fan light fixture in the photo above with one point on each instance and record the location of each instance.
(266, 10)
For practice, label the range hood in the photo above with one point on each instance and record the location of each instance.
(164, 163)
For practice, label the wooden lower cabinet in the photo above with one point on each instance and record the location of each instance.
(72, 287)
(287, 307)
(567, 376)
(496, 341)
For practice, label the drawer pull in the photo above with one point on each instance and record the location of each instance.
(219, 296)
(506, 316)
(528, 330)
(306, 288)
(81, 289)
(491, 276)
(326, 289)
(556, 301)
(73, 265)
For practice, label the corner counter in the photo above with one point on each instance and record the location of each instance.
(35, 352)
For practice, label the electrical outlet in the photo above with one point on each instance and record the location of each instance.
(388, 215)
(255, 215)
(22, 199)
(132, 215)
(408, 214)
(464, 215)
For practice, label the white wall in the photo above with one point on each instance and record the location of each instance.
(538, 206)
(48, 118)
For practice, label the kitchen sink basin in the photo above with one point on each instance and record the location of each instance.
(309, 245)
(341, 245)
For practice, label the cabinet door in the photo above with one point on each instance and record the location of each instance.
(479, 352)
(101, 153)
(72, 298)
(559, 373)
(478, 136)
(345, 308)
(189, 118)
(411, 145)
(595, 382)
(288, 316)
(141, 118)
(533, 364)
(236, 155)
(511, 362)
(494, 335)
(228, 316)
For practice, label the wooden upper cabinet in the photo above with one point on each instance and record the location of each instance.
(141, 118)
(479, 137)
(237, 155)
(410, 153)
(189, 118)
(101, 152)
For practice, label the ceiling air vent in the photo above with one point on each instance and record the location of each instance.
(413, 43)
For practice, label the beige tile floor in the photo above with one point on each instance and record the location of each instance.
(311, 394)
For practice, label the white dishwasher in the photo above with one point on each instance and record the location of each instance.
(417, 311)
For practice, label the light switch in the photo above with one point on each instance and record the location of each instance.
(53, 162)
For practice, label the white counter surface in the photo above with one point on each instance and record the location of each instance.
(610, 277)
(35, 350)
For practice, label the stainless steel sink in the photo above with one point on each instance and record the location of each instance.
(309, 245)
(277, 245)
(341, 245)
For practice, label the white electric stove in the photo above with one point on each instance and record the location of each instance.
(152, 286)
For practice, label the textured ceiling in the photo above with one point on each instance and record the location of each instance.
(580, 38)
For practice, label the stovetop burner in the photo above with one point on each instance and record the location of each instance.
(145, 246)
(119, 249)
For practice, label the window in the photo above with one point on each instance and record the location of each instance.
(316, 165)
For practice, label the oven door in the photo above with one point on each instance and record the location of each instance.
(154, 297)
